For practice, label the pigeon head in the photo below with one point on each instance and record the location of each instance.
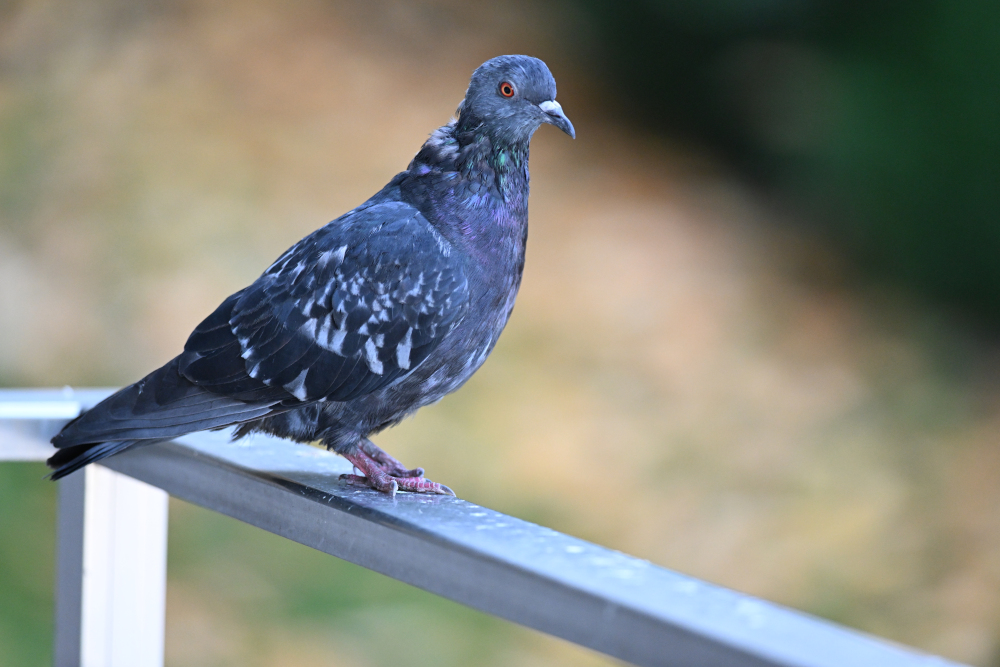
(509, 97)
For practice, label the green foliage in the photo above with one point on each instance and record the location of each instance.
(881, 121)
(27, 548)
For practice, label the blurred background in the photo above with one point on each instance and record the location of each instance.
(757, 340)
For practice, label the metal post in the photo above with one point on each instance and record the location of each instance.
(111, 571)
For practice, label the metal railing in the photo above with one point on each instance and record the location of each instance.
(112, 556)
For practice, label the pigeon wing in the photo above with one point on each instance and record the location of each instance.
(346, 311)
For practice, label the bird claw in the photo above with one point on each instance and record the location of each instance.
(388, 475)
(394, 484)
(423, 485)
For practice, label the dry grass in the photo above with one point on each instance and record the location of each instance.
(681, 379)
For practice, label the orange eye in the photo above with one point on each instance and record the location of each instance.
(506, 89)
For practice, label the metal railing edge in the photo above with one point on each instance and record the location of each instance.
(717, 626)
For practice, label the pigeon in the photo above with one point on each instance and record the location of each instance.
(378, 313)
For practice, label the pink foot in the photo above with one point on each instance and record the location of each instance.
(389, 475)
(387, 462)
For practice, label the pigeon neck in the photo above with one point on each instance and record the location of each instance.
(481, 185)
(501, 166)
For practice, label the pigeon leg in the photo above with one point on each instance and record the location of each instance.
(377, 477)
(388, 462)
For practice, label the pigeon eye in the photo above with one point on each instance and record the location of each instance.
(506, 89)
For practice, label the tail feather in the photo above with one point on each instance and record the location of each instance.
(71, 459)
(202, 405)
(140, 429)
(161, 406)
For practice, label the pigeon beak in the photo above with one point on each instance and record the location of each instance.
(554, 115)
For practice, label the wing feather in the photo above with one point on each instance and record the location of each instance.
(348, 310)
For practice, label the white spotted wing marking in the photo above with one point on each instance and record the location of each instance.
(336, 344)
(371, 357)
(403, 350)
(297, 387)
(328, 257)
(379, 288)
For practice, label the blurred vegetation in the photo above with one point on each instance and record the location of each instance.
(27, 565)
(765, 417)
(879, 121)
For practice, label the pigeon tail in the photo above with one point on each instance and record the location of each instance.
(70, 459)
(161, 406)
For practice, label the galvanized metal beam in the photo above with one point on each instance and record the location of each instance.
(595, 597)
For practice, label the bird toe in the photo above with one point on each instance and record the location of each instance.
(388, 475)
